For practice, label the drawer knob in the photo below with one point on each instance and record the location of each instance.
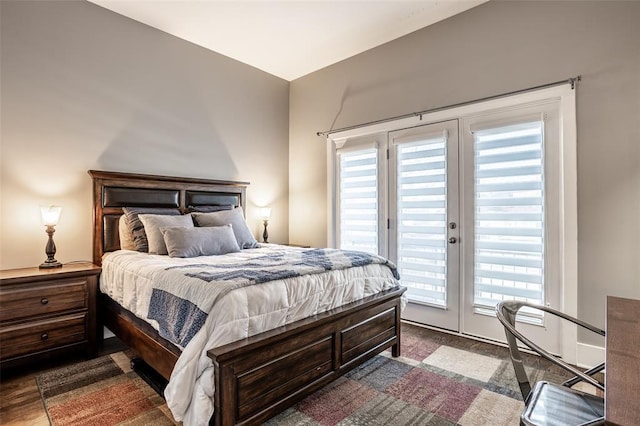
(44, 300)
(44, 336)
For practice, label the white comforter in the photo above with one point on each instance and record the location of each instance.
(129, 277)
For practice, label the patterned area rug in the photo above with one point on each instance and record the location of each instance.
(439, 380)
(102, 391)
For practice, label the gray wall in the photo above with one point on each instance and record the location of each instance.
(495, 48)
(85, 88)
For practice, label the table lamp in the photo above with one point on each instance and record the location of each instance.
(265, 215)
(50, 217)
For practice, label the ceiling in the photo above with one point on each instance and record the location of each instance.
(290, 38)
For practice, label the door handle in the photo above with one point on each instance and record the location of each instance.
(453, 240)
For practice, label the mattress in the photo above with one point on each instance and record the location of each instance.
(204, 302)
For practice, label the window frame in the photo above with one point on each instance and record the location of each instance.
(379, 143)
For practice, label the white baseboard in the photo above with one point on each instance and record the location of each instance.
(589, 355)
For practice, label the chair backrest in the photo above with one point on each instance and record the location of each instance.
(506, 311)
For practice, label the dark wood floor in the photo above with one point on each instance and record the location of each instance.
(20, 401)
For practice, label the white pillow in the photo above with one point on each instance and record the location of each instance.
(192, 242)
(234, 218)
(152, 224)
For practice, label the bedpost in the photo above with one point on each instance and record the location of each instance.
(395, 349)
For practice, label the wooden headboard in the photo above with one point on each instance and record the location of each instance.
(113, 190)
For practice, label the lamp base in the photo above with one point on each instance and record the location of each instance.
(265, 234)
(47, 264)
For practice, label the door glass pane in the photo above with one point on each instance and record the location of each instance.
(359, 200)
(421, 200)
(509, 214)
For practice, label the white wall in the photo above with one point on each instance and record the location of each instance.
(495, 48)
(84, 88)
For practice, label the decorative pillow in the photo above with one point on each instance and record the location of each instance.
(126, 239)
(208, 209)
(152, 224)
(192, 242)
(137, 228)
(233, 217)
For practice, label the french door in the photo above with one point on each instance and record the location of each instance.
(469, 220)
(510, 223)
(423, 220)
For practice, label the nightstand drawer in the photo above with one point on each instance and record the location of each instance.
(42, 298)
(36, 336)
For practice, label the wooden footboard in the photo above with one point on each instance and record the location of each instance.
(258, 377)
(263, 375)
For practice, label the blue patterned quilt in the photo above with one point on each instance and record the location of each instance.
(182, 296)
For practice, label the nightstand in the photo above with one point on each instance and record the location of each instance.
(47, 312)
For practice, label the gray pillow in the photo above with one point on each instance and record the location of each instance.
(229, 217)
(137, 228)
(192, 242)
(152, 224)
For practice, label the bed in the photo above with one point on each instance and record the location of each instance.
(260, 375)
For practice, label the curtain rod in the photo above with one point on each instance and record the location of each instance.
(572, 81)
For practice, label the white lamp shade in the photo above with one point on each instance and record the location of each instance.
(50, 215)
(265, 213)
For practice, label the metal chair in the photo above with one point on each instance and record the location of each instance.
(549, 403)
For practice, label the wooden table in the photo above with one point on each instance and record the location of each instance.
(622, 390)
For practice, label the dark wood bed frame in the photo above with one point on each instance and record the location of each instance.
(260, 376)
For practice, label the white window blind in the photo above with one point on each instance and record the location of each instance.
(421, 235)
(509, 214)
(358, 212)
